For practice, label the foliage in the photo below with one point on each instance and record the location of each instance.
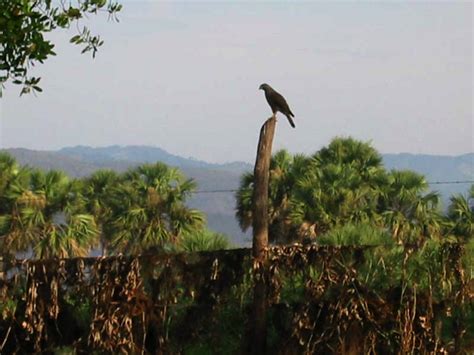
(12, 178)
(141, 210)
(321, 299)
(284, 172)
(460, 218)
(356, 234)
(343, 183)
(149, 210)
(385, 267)
(25, 23)
(47, 215)
(98, 194)
(410, 214)
(203, 240)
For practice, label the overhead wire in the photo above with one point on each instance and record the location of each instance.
(429, 183)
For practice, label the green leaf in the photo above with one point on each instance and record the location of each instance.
(75, 39)
(74, 13)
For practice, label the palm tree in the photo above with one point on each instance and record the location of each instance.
(460, 217)
(411, 214)
(340, 185)
(149, 209)
(284, 170)
(98, 192)
(48, 217)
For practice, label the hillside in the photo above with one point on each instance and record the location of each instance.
(219, 207)
(74, 166)
(144, 154)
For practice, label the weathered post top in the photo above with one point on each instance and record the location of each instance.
(260, 188)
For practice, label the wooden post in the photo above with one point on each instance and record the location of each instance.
(261, 175)
(260, 236)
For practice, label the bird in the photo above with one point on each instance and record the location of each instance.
(277, 103)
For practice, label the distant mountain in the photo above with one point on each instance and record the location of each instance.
(434, 167)
(82, 161)
(74, 166)
(145, 154)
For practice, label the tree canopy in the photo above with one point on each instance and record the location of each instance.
(346, 183)
(47, 214)
(24, 25)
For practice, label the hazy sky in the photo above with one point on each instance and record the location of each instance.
(185, 77)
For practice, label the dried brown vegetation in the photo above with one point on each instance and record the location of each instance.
(344, 300)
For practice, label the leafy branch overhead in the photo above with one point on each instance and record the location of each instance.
(24, 24)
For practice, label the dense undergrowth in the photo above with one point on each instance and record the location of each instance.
(320, 299)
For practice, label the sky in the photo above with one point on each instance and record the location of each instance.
(184, 76)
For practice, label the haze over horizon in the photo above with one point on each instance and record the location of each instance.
(184, 77)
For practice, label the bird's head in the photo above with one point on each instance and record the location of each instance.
(264, 87)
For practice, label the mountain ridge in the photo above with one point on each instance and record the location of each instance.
(146, 154)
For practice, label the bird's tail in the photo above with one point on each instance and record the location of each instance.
(291, 121)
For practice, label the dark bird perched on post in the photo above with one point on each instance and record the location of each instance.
(277, 103)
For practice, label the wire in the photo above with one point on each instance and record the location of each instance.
(215, 191)
(429, 183)
(451, 182)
